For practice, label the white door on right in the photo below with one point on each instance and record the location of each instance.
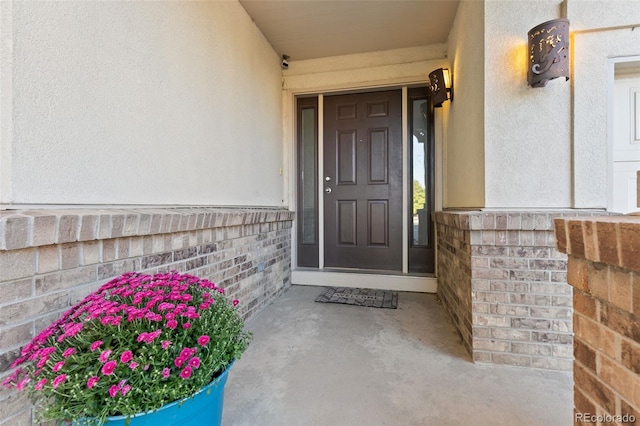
(626, 138)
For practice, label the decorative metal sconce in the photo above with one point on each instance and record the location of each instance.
(548, 52)
(440, 86)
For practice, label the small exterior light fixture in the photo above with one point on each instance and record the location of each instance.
(440, 86)
(548, 52)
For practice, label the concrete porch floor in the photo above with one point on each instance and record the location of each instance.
(331, 365)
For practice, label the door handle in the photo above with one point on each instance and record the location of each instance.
(327, 190)
(328, 178)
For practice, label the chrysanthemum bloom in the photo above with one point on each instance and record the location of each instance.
(92, 381)
(203, 340)
(108, 368)
(179, 361)
(104, 356)
(186, 373)
(68, 352)
(126, 357)
(113, 391)
(59, 380)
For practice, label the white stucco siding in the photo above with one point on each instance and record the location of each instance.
(142, 103)
(527, 131)
(464, 183)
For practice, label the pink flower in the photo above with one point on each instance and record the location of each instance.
(92, 381)
(126, 357)
(166, 344)
(58, 366)
(142, 337)
(166, 372)
(68, 352)
(104, 356)
(236, 302)
(179, 361)
(172, 324)
(133, 365)
(40, 384)
(153, 335)
(186, 373)
(42, 361)
(59, 380)
(186, 325)
(165, 305)
(108, 368)
(187, 352)
(194, 362)
(22, 383)
(125, 389)
(95, 345)
(203, 340)
(113, 391)
(72, 329)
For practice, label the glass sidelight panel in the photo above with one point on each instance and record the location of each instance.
(307, 215)
(421, 181)
(419, 174)
(308, 175)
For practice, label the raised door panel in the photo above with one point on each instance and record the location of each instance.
(347, 217)
(346, 156)
(378, 156)
(378, 223)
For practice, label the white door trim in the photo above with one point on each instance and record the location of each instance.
(399, 282)
(610, 127)
(412, 283)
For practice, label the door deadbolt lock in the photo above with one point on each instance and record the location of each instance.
(327, 190)
(328, 178)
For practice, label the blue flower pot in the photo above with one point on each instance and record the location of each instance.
(204, 408)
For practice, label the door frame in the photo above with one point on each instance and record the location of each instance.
(611, 67)
(321, 276)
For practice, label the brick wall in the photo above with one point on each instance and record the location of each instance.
(49, 260)
(604, 269)
(454, 272)
(504, 285)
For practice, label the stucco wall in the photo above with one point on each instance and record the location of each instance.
(527, 130)
(138, 103)
(597, 37)
(464, 185)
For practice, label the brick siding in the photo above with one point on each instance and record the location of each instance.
(50, 260)
(604, 269)
(503, 283)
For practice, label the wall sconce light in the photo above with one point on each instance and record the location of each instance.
(440, 86)
(548, 52)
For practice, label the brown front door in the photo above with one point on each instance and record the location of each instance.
(363, 180)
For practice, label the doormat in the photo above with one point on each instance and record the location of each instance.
(360, 297)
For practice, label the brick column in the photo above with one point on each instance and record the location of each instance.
(503, 283)
(604, 269)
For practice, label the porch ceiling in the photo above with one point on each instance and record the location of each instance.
(308, 29)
